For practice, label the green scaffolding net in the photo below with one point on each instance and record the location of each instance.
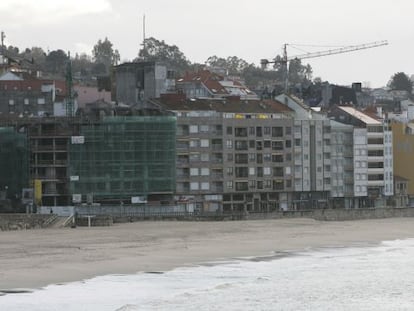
(123, 157)
(14, 165)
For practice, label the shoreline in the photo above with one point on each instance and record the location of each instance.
(40, 257)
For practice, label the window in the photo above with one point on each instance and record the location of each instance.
(268, 184)
(266, 144)
(266, 130)
(229, 130)
(240, 132)
(267, 157)
(277, 158)
(205, 171)
(229, 184)
(241, 145)
(194, 143)
(40, 101)
(277, 145)
(259, 184)
(229, 144)
(252, 157)
(204, 143)
(278, 185)
(259, 158)
(205, 157)
(252, 184)
(288, 170)
(241, 158)
(288, 130)
(242, 186)
(242, 172)
(229, 171)
(204, 128)
(260, 172)
(11, 102)
(205, 186)
(252, 131)
(267, 171)
(194, 171)
(230, 157)
(278, 171)
(297, 142)
(193, 128)
(259, 131)
(251, 171)
(277, 131)
(26, 101)
(194, 157)
(288, 144)
(194, 186)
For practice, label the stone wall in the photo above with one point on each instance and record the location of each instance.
(24, 221)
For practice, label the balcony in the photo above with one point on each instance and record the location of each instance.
(375, 183)
(375, 147)
(375, 158)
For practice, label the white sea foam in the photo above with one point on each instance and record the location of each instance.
(358, 278)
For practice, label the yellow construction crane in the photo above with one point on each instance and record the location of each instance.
(285, 59)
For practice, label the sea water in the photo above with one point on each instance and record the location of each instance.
(354, 278)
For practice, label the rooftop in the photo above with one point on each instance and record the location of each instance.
(360, 115)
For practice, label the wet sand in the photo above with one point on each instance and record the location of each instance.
(36, 258)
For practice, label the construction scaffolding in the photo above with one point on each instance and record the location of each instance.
(121, 158)
(14, 162)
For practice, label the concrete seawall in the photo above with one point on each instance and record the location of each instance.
(337, 214)
(33, 221)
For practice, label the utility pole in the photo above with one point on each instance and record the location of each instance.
(69, 88)
(143, 36)
(3, 36)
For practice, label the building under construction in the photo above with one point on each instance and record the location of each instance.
(97, 159)
(124, 159)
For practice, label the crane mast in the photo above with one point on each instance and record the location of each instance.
(285, 59)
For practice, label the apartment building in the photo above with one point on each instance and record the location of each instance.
(312, 155)
(403, 153)
(233, 155)
(27, 96)
(373, 156)
(342, 166)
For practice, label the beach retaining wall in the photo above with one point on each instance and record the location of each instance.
(336, 214)
(24, 221)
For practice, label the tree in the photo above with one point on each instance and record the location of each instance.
(56, 62)
(82, 64)
(159, 51)
(233, 65)
(103, 53)
(400, 81)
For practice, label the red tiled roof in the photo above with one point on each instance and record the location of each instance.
(209, 79)
(33, 85)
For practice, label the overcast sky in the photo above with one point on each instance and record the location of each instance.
(248, 29)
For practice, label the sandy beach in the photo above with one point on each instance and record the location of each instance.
(36, 258)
